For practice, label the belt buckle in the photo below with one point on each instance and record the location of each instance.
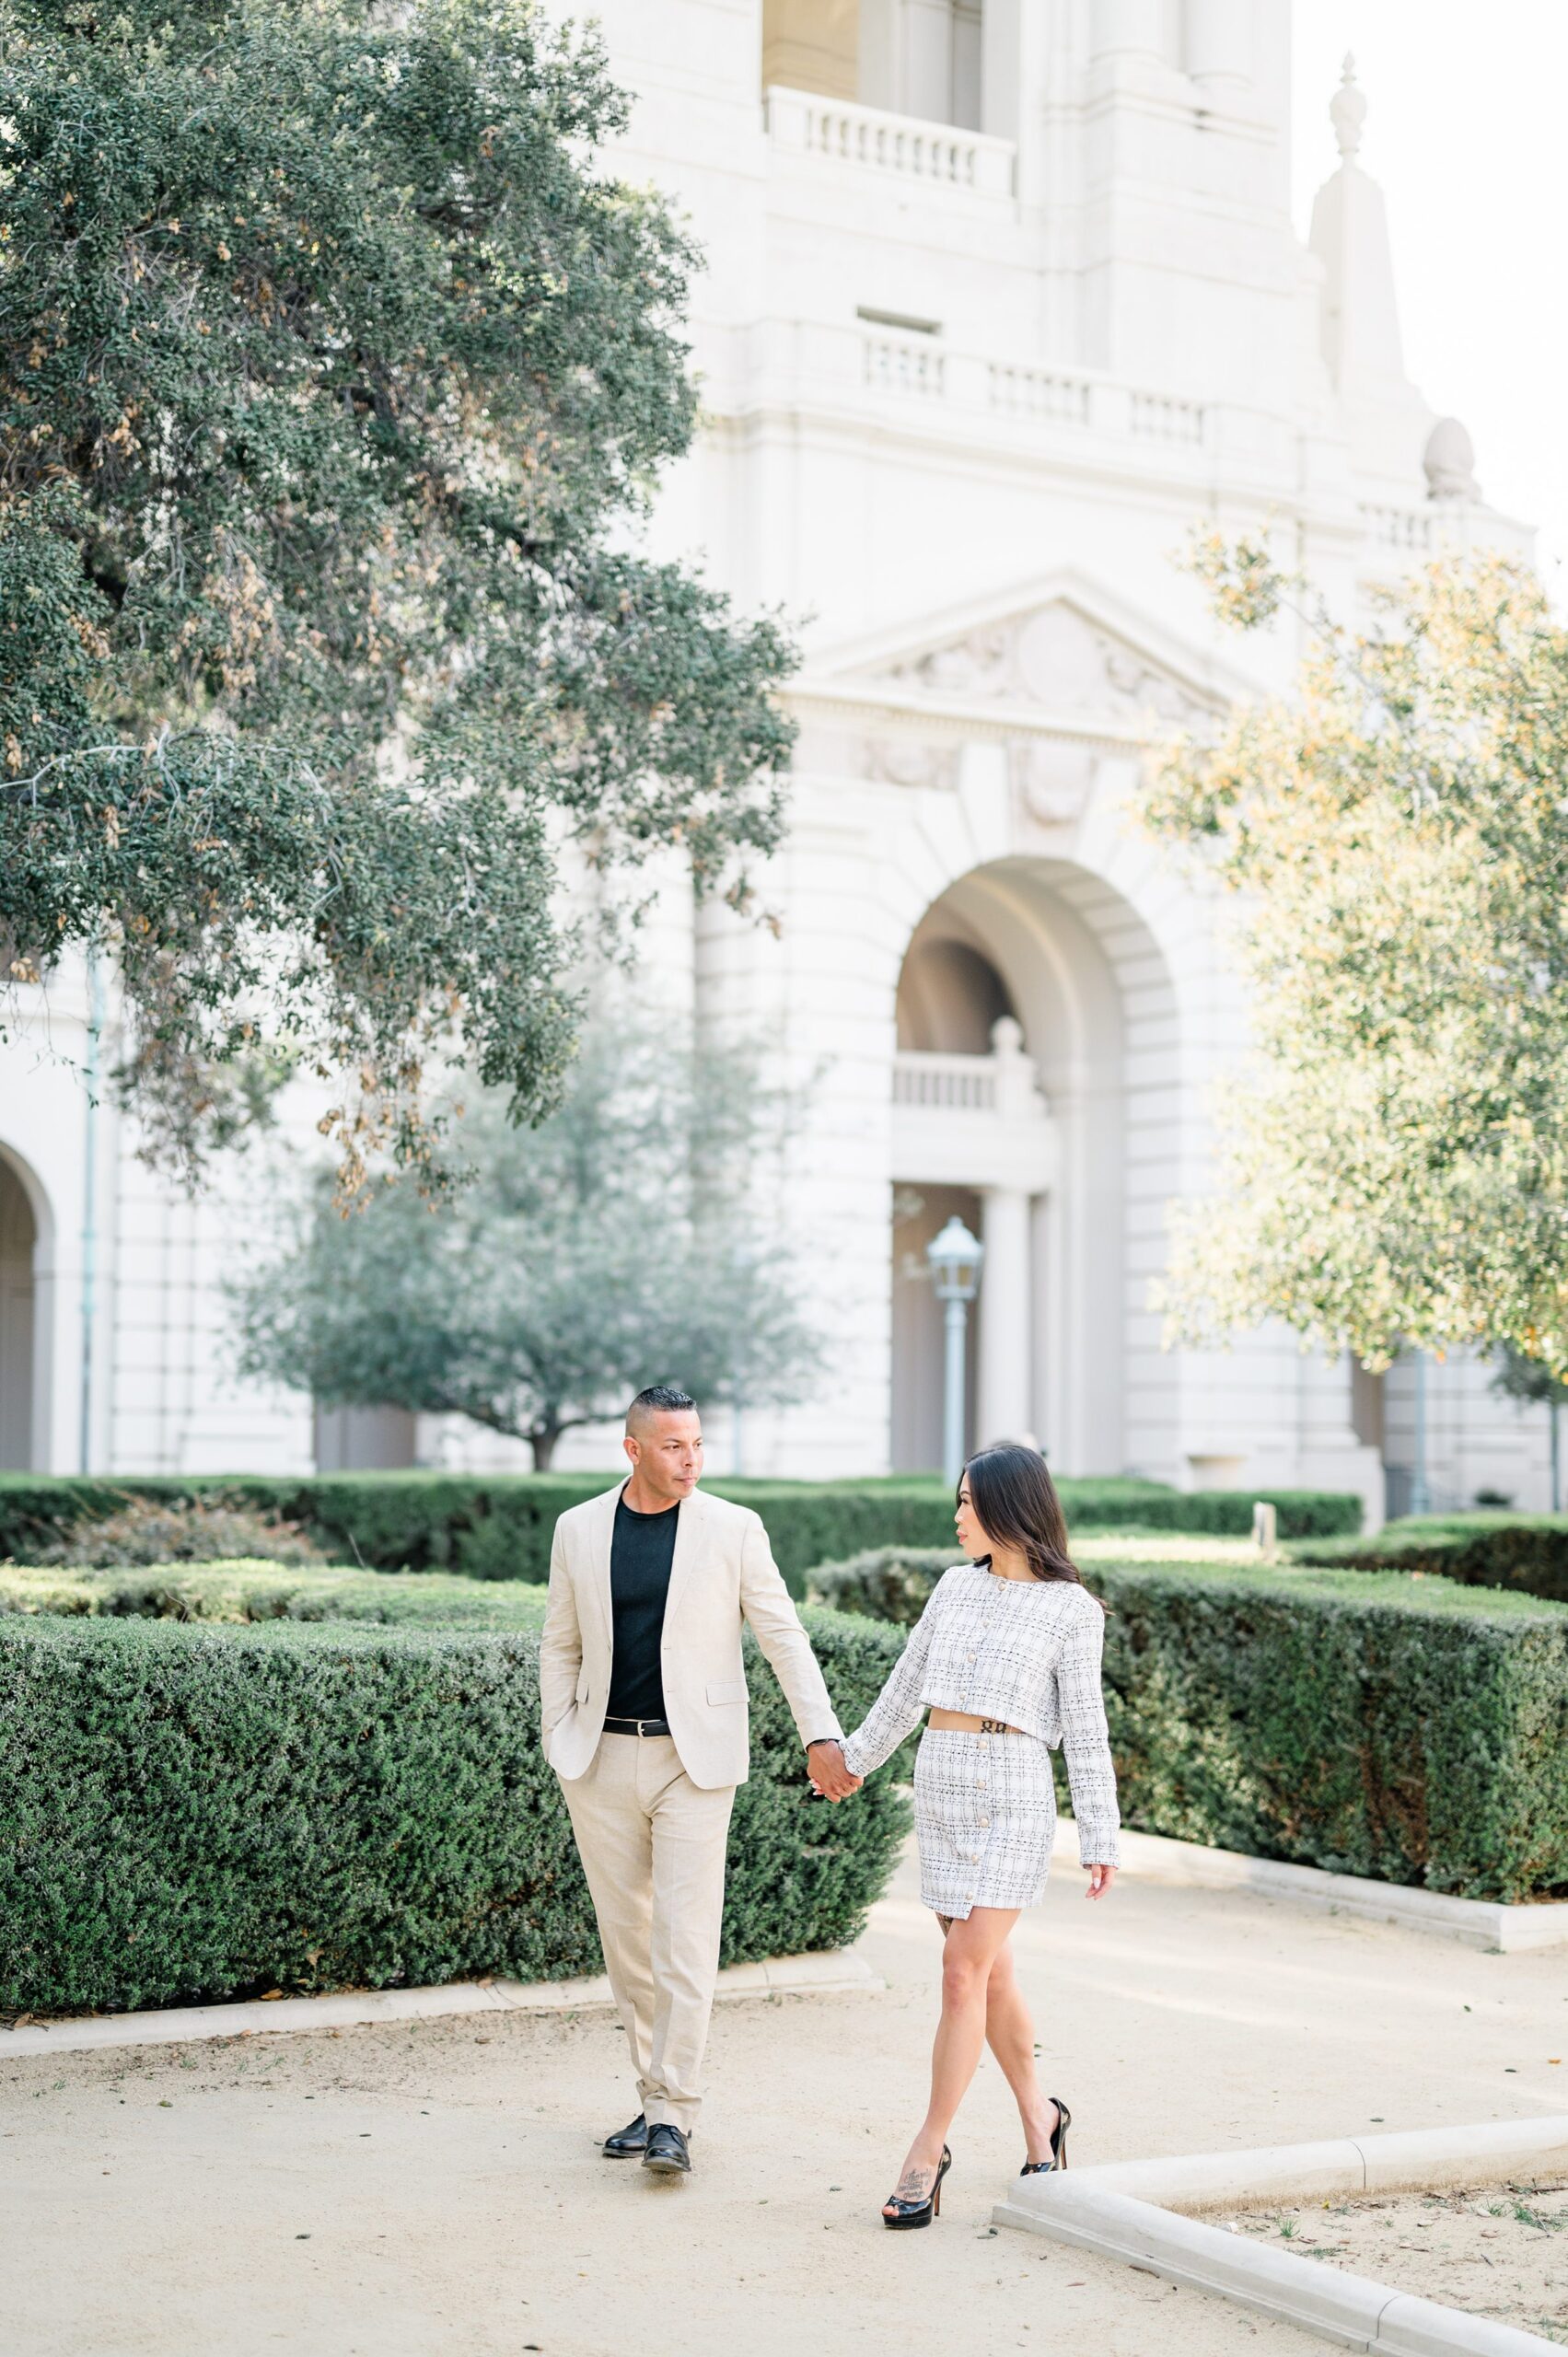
(643, 1726)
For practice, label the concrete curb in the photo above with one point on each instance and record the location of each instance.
(1117, 2209)
(1479, 1922)
(823, 1973)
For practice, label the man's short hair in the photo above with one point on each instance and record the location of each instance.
(658, 1399)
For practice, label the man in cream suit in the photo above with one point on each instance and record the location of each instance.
(642, 1708)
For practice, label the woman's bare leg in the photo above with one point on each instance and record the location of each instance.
(969, 1951)
(1010, 2034)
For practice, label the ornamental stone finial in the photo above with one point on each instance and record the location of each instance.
(1449, 462)
(1347, 111)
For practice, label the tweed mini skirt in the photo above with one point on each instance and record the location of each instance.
(984, 1819)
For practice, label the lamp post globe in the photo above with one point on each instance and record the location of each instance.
(954, 1257)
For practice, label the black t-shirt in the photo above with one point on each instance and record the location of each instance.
(640, 1556)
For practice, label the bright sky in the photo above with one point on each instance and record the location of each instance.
(1465, 134)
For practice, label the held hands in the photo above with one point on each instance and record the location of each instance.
(831, 1779)
(1100, 1880)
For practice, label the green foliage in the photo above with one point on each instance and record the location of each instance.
(236, 1590)
(191, 1531)
(193, 1813)
(1219, 1513)
(885, 1583)
(1369, 1723)
(333, 372)
(1396, 836)
(535, 1302)
(500, 1525)
(1529, 1381)
(894, 1583)
(1527, 1554)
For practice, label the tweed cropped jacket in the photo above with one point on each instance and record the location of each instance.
(1024, 1651)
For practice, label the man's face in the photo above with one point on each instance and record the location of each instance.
(667, 1453)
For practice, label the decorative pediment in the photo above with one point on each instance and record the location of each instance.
(1069, 683)
(1059, 655)
(1055, 660)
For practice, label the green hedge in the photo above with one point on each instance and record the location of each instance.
(191, 1813)
(1372, 1723)
(1227, 1514)
(1526, 1552)
(238, 1590)
(499, 1526)
(885, 1583)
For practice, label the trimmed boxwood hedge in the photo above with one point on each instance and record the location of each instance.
(192, 1812)
(1372, 1723)
(499, 1526)
(238, 1589)
(1526, 1552)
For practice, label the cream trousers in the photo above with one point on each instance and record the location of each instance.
(653, 1848)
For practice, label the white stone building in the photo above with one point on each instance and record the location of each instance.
(1003, 298)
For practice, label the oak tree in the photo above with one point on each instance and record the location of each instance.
(335, 370)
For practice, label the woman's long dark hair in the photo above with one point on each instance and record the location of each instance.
(1016, 1502)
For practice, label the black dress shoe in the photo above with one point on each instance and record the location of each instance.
(627, 2143)
(666, 2151)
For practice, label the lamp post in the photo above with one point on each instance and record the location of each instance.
(955, 1257)
(1421, 1490)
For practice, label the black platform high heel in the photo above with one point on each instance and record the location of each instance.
(1058, 2144)
(918, 2214)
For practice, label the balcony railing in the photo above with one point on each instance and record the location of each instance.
(1399, 528)
(905, 365)
(949, 1084)
(972, 1121)
(1004, 1082)
(899, 146)
(1040, 392)
(924, 370)
(1164, 417)
(829, 361)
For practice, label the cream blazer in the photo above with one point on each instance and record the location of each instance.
(723, 1573)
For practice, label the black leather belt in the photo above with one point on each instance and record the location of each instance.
(637, 1727)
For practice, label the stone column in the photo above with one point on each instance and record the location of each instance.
(1004, 1293)
(928, 59)
(1219, 44)
(1000, 78)
(1126, 24)
(881, 26)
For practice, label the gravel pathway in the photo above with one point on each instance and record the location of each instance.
(434, 2189)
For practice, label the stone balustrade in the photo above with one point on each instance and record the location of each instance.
(957, 1083)
(1056, 393)
(973, 1121)
(1164, 417)
(1410, 528)
(900, 147)
(817, 360)
(906, 365)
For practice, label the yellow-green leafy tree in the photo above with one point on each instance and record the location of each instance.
(1394, 1155)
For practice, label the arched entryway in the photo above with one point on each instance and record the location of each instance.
(18, 1323)
(1037, 1091)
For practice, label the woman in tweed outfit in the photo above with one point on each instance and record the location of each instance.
(1006, 1658)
